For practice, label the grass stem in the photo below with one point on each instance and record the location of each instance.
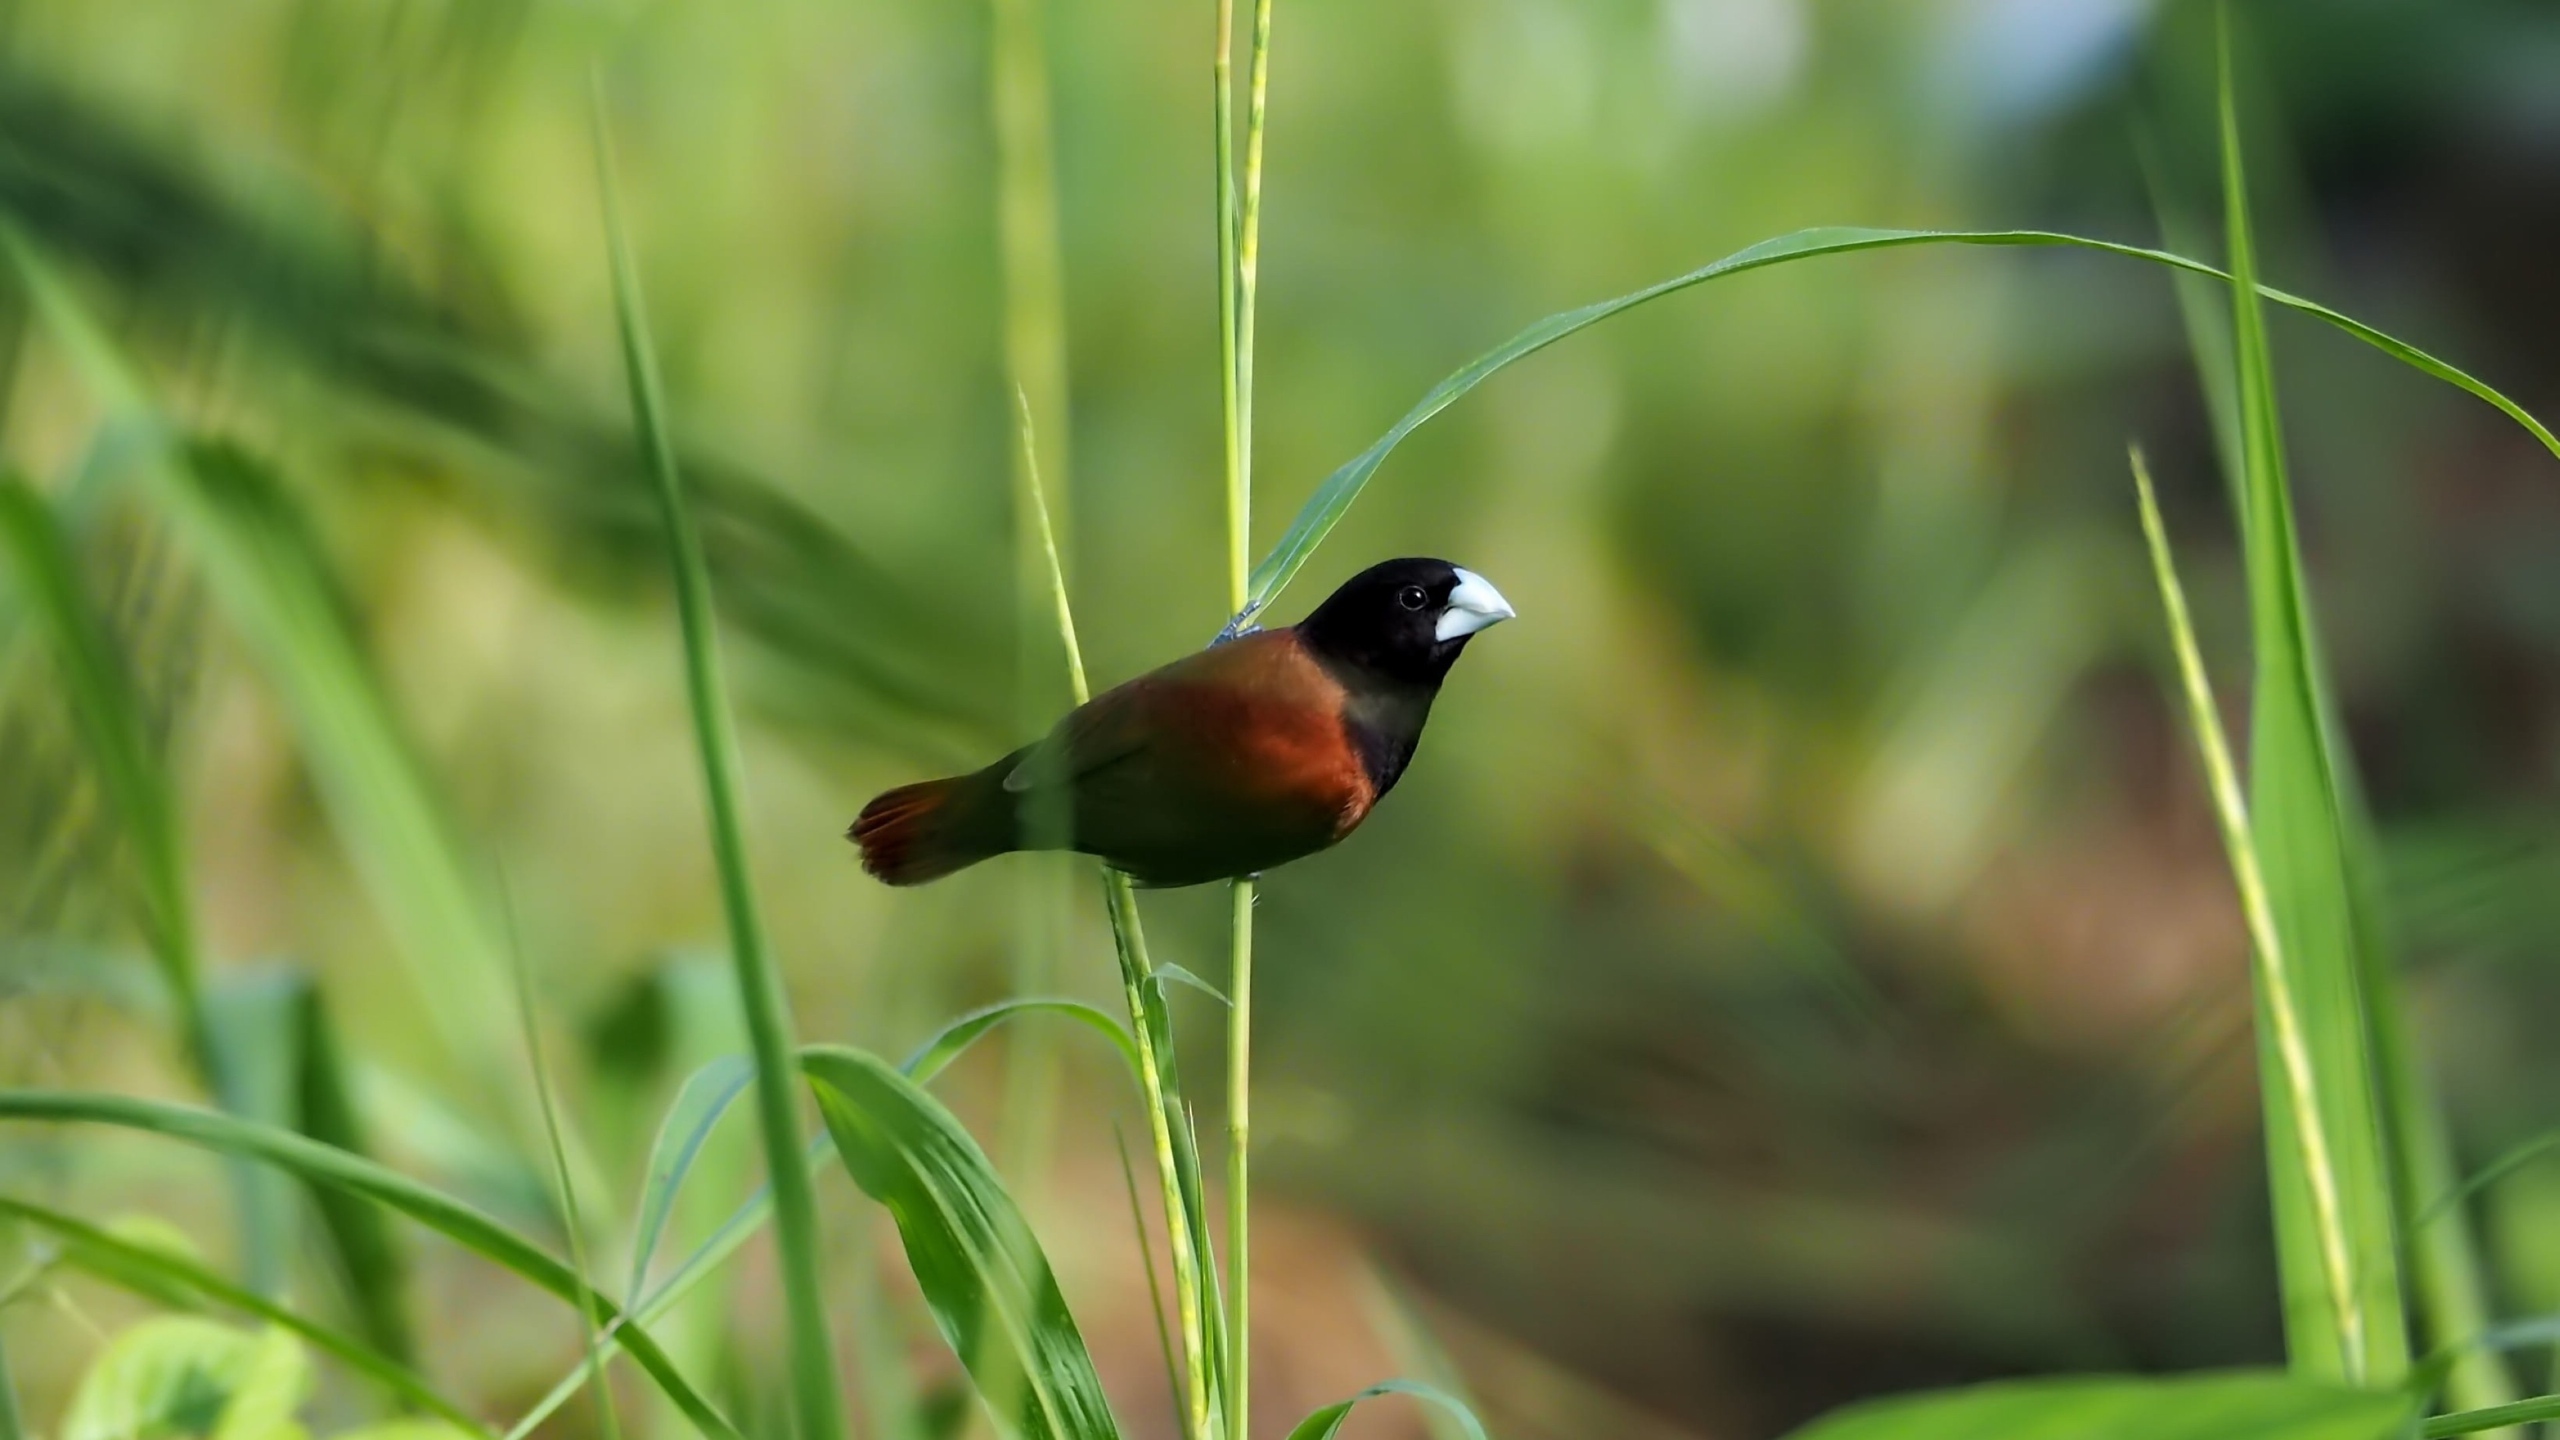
(1239, 290)
(1230, 299)
(818, 1407)
(1147, 1260)
(1239, 1169)
(2275, 982)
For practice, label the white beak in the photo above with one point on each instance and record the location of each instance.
(1474, 605)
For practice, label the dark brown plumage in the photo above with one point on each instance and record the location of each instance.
(1247, 755)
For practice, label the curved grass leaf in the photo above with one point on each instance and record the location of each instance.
(2493, 1417)
(156, 1273)
(2516, 1158)
(1334, 497)
(698, 1108)
(1323, 1423)
(929, 1059)
(1166, 975)
(322, 1165)
(2259, 1406)
(981, 1270)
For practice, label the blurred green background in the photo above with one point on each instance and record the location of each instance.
(1800, 964)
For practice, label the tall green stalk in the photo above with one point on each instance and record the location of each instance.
(1240, 233)
(768, 1014)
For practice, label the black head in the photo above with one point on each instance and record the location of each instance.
(1404, 619)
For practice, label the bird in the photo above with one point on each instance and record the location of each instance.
(1261, 749)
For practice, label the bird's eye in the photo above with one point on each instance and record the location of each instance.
(1413, 597)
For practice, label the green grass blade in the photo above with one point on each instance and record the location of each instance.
(1334, 497)
(253, 1019)
(982, 1272)
(2314, 1230)
(2495, 1417)
(107, 713)
(2204, 312)
(2259, 1406)
(1417, 1352)
(592, 1316)
(1323, 1424)
(321, 1165)
(2360, 1335)
(698, 1108)
(2445, 1274)
(148, 1272)
(697, 1267)
(817, 1404)
(928, 1061)
(1245, 287)
(2513, 1159)
(1165, 976)
(947, 1044)
(371, 1262)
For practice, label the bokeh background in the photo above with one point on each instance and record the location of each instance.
(1800, 964)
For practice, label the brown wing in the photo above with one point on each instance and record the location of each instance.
(1260, 682)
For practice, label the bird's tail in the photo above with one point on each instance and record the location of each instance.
(923, 832)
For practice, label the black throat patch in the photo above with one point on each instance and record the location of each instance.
(1384, 726)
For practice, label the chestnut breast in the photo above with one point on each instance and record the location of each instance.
(1259, 720)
